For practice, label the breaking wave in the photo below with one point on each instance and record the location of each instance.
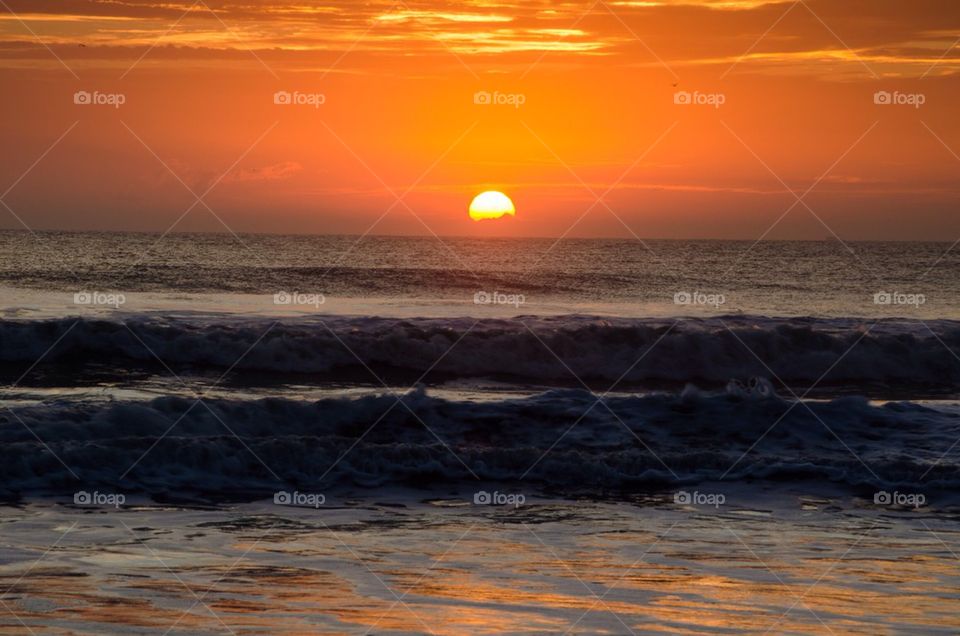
(564, 441)
(848, 352)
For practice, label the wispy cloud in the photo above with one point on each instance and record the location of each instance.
(817, 36)
(275, 172)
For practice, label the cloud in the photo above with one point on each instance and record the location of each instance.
(735, 5)
(894, 39)
(843, 40)
(276, 172)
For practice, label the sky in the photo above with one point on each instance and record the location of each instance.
(730, 119)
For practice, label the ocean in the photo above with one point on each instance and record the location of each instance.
(433, 276)
(342, 434)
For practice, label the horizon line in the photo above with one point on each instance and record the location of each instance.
(826, 239)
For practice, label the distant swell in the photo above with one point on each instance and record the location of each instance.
(535, 349)
(561, 441)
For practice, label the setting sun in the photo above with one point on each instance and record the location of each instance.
(491, 205)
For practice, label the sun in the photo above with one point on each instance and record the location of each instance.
(491, 205)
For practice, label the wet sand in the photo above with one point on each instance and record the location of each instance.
(785, 564)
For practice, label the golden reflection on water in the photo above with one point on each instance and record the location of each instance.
(499, 579)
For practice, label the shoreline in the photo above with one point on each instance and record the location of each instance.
(547, 566)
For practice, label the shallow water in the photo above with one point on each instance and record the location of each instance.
(785, 563)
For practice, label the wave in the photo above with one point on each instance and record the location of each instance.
(563, 441)
(565, 349)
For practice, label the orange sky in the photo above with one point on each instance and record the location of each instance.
(589, 139)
